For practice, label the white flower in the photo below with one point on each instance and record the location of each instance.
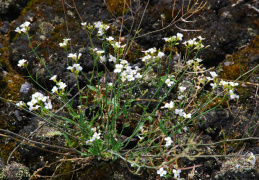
(233, 84)
(151, 50)
(223, 83)
(169, 82)
(179, 36)
(102, 59)
(182, 89)
(130, 77)
(54, 89)
(31, 108)
(140, 138)
(198, 60)
(169, 105)
(213, 85)
(185, 129)
(170, 39)
(20, 104)
(160, 54)
(177, 173)
(48, 105)
(118, 68)
(168, 141)
(117, 45)
(161, 172)
(25, 24)
(209, 78)
(180, 97)
(93, 129)
(65, 42)
(61, 85)
(18, 30)
(200, 38)
(70, 68)
(53, 78)
(124, 62)
(83, 23)
(22, 63)
(99, 52)
(74, 56)
(96, 136)
(112, 58)
(138, 75)
(189, 116)
(145, 58)
(213, 74)
(179, 111)
(77, 67)
(110, 38)
(189, 62)
(252, 159)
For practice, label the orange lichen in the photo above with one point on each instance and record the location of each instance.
(239, 62)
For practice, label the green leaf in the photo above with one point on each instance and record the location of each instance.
(68, 140)
(162, 127)
(92, 88)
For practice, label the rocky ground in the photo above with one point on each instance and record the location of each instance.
(230, 27)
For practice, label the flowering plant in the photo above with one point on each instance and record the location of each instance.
(172, 107)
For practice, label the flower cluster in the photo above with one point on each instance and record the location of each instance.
(151, 55)
(24, 28)
(95, 135)
(101, 27)
(38, 100)
(61, 86)
(178, 37)
(230, 87)
(194, 43)
(76, 68)
(195, 62)
(179, 112)
(126, 71)
(117, 45)
(65, 42)
(75, 56)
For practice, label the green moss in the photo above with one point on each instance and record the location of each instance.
(6, 149)
(116, 6)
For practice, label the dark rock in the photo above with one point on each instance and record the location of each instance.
(244, 175)
(5, 27)
(212, 122)
(10, 10)
(17, 115)
(26, 91)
